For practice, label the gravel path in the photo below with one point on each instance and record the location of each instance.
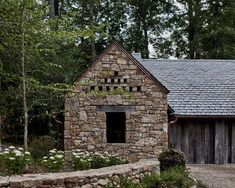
(214, 176)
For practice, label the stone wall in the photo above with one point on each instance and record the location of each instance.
(146, 124)
(84, 179)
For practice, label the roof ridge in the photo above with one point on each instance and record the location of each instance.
(191, 60)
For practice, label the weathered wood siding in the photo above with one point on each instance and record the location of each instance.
(204, 141)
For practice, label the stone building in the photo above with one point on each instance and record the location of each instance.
(116, 105)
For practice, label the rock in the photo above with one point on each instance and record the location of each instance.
(83, 116)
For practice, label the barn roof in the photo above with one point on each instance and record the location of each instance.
(197, 87)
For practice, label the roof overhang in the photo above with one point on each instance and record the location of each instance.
(205, 116)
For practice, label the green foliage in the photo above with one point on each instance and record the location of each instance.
(152, 180)
(86, 160)
(112, 92)
(124, 183)
(175, 177)
(14, 161)
(171, 158)
(54, 162)
(40, 146)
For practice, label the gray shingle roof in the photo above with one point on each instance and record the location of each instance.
(197, 87)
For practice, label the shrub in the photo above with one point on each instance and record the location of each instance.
(86, 160)
(174, 177)
(177, 177)
(40, 146)
(171, 158)
(14, 161)
(81, 160)
(124, 183)
(54, 162)
(151, 181)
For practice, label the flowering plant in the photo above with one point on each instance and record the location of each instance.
(83, 160)
(54, 162)
(15, 160)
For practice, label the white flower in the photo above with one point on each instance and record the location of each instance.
(52, 151)
(6, 149)
(12, 158)
(44, 161)
(27, 153)
(106, 153)
(6, 152)
(55, 162)
(45, 157)
(18, 154)
(21, 149)
(11, 147)
(52, 158)
(59, 156)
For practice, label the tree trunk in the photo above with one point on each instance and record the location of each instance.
(146, 43)
(0, 134)
(52, 7)
(25, 108)
(0, 121)
(93, 51)
(191, 30)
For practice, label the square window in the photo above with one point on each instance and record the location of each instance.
(116, 127)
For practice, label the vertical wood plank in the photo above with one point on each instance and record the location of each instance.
(172, 129)
(191, 144)
(207, 144)
(184, 140)
(226, 142)
(212, 142)
(233, 144)
(203, 143)
(219, 142)
(198, 142)
(178, 137)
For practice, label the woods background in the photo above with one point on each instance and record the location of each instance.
(45, 44)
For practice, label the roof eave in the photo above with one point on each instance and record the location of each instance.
(204, 116)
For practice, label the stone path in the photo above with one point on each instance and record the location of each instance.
(214, 176)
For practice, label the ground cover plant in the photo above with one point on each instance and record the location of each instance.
(54, 162)
(83, 160)
(14, 161)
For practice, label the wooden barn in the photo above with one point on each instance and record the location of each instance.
(202, 107)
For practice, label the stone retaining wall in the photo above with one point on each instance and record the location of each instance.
(84, 179)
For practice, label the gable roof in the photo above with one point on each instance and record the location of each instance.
(197, 87)
(139, 65)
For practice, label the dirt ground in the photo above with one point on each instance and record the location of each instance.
(214, 176)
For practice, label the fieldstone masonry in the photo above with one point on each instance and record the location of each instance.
(146, 122)
(84, 179)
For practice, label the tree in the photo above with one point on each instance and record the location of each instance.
(200, 29)
(26, 30)
(148, 21)
(218, 39)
